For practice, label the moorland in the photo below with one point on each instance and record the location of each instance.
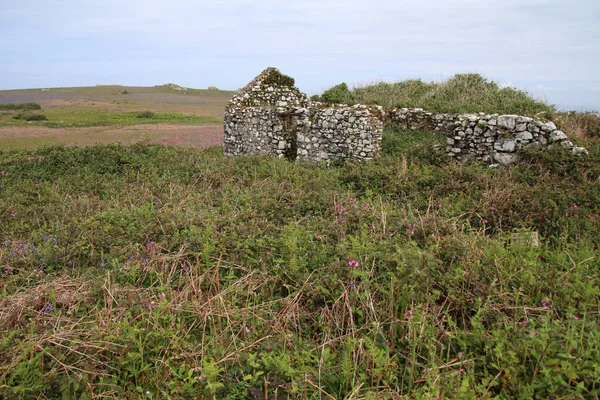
(133, 265)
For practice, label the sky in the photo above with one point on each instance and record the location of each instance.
(550, 48)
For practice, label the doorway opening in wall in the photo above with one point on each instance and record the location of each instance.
(290, 127)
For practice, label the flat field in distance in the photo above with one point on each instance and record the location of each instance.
(114, 113)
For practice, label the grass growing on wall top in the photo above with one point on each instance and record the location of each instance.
(148, 271)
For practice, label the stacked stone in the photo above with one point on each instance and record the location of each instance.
(340, 132)
(255, 131)
(498, 138)
(417, 119)
(490, 138)
(255, 118)
(272, 117)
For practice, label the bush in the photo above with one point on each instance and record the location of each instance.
(145, 114)
(21, 106)
(337, 94)
(580, 124)
(31, 117)
(462, 93)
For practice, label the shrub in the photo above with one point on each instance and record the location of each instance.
(145, 114)
(580, 124)
(460, 94)
(31, 117)
(337, 94)
(21, 106)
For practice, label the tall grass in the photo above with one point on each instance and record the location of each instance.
(460, 94)
(157, 272)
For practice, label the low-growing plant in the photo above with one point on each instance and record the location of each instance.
(151, 271)
(463, 93)
(29, 116)
(145, 114)
(21, 106)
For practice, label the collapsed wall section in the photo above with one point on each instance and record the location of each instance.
(491, 138)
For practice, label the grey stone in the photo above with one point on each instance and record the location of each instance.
(524, 136)
(557, 135)
(507, 122)
(505, 158)
(579, 150)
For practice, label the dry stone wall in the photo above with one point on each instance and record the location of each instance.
(272, 117)
(491, 138)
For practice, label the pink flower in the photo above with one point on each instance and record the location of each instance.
(353, 263)
(319, 237)
(161, 296)
(260, 260)
(575, 205)
(532, 333)
(408, 314)
(545, 303)
(247, 330)
(460, 353)
(523, 323)
(576, 318)
(485, 221)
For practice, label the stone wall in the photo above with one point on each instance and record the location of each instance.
(491, 138)
(339, 132)
(272, 117)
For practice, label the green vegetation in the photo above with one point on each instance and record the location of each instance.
(145, 114)
(460, 94)
(274, 77)
(20, 106)
(29, 116)
(159, 272)
(78, 117)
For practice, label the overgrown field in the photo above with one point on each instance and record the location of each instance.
(159, 272)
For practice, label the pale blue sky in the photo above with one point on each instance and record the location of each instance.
(549, 47)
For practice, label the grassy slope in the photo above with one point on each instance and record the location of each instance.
(103, 105)
(183, 274)
(463, 93)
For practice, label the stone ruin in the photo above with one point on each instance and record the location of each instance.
(270, 116)
(490, 138)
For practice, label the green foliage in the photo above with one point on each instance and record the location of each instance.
(337, 94)
(145, 114)
(276, 78)
(21, 106)
(28, 116)
(148, 271)
(460, 94)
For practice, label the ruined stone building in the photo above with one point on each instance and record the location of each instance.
(270, 116)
